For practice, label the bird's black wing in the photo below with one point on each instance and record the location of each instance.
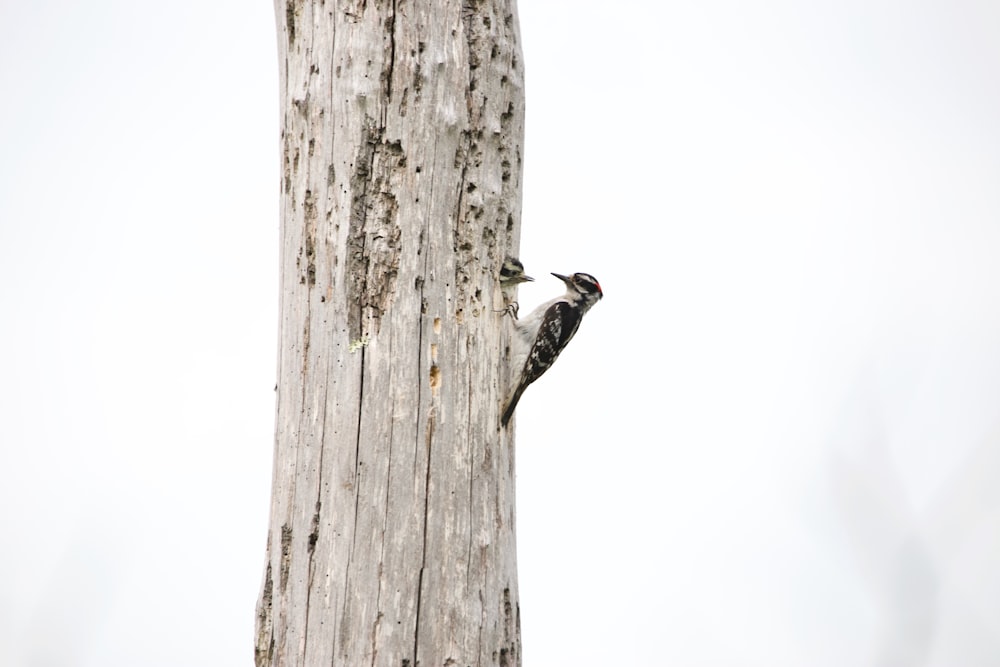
(558, 326)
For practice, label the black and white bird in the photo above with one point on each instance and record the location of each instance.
(542, 335)
(511, 275)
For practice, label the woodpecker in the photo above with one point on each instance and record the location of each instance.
(511, 275)
(542, 335)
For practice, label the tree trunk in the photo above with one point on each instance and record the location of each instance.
(391, 536)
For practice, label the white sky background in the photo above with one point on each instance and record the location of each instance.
(775, 442)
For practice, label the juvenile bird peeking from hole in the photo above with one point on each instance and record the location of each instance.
(511, 275)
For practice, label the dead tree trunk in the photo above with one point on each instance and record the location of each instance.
(391, 535)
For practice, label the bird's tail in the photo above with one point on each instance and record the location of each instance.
(508, 411)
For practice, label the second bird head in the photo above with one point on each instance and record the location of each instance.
(512, 273)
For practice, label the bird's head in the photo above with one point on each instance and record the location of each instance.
(582, 286)
(512, 273)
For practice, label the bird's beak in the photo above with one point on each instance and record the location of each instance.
(565, 279)
(527, 278)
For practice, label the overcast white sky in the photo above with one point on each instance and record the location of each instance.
(794, 451)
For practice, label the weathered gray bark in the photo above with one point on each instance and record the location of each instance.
(392, 519)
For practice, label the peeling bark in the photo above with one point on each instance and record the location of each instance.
(392, 518)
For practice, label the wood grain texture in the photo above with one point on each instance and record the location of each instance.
(391, 536)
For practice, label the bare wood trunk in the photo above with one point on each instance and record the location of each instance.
(391, 535)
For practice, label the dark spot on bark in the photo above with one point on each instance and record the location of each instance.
(290, 21)
(507, 608)
(302, 105)
(286, 555)
(435, 378)
(506, 116)
(489, 237)
(286, 164)
(389, 53)
(309, 207)
(373, 243)
(264, 646)
(314, 533)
